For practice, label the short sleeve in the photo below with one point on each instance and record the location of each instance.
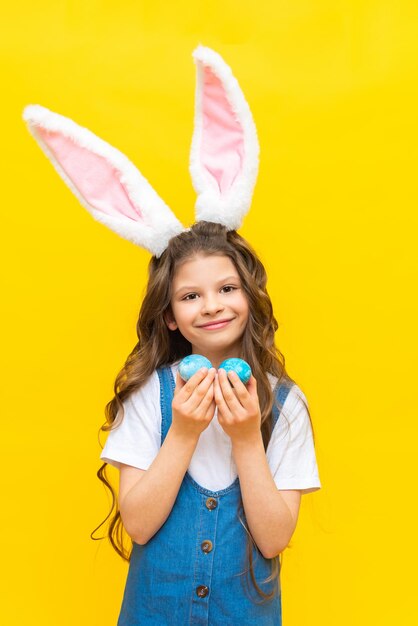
(136, 440)
(291, 452)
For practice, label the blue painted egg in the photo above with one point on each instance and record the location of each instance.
(239, 366)
(191, 364)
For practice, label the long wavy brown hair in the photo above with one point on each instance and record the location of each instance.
(158, 346)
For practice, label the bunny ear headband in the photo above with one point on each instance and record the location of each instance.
(223, 163)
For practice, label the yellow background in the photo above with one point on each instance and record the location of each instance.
(333, 89)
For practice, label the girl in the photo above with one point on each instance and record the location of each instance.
(211, 470)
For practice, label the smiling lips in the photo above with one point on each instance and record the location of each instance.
(216, 325)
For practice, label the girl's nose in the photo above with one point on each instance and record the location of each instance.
(212, 305)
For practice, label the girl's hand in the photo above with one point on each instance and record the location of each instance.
(238, 407)
(193, 404)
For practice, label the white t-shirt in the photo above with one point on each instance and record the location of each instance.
(290, 452)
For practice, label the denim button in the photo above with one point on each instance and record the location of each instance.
(202, 591)
(206, 546)
(211, 503)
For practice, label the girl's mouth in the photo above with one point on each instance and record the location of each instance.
(215, 326)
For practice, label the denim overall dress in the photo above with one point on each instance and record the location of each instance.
(191, 572)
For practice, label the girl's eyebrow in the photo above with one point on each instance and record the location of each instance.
(222, 280)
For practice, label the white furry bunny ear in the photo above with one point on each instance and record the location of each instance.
(104, 180)
(224, 151)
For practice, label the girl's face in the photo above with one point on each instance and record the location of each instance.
(209, 307)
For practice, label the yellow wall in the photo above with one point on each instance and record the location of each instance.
(333, 89)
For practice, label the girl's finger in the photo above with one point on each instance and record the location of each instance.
(211, 409)
(200, 391)
(179, 383)
(187, 388)
(252, 387)
(227, 392)
(240, 390)
(223, 408)
(207, 402)
(207, 399)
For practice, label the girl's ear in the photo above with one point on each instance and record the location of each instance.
(169, 319)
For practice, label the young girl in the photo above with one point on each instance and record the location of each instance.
(211, 470)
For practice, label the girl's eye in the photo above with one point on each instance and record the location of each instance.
(188, 296)
(228, 287)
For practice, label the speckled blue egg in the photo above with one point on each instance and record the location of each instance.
(239, 366)
(191, 364)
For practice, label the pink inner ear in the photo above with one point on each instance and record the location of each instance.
(94, 177)
(222, 148)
